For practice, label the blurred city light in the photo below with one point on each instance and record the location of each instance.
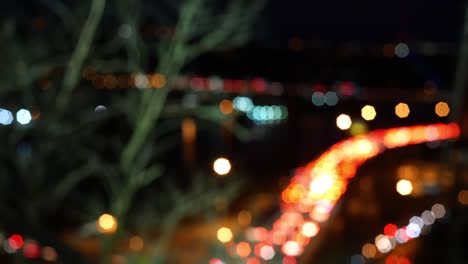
(369, 251)
(383, 243)
(402, 110)
(243, 104)
(292, 248)
(215, 261)
(49, 254)
(136, 243)
(428, 217)
(343, 122)
(267, 252)
(442, 109)
(6, 117)
(107, 224)
(413, 230)
(368, 112)
(318, 99)
(321, 184)
(224, 234)
(243, 249)
(404, 187)
(23, 116)
(15, 242)
(222, 166)
(402, 50)
(463, 197)
(226, 107)
(438, 210)
(31, 250)
(331, 99)
(310, 229)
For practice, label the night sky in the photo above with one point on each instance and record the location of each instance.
(371, 21)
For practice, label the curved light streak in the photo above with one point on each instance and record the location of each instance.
(315, 189)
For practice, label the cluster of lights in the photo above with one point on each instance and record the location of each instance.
(260, 114)
(315, 189)
(392, 235)
(23, 117)
(369, 113)
(30, 248)
(268, 114)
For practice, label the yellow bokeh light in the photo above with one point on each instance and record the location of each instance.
(343, 122)
(321, 184)
(442, 109)
(136, 243)
(402, 110)
(107, 224)
(358, 128)
(224, 234)
(222, 166)
(226, 107)
(368, 112)
(404, 187)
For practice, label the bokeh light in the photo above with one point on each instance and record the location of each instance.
(383, 243)
(222, 166)
(402, 50)
(331, 98)
(15, 241)
(318, 99)
(267, 252)
(402, 110)
(413, 230)
(442, 109)
(31, 250)
(136, 243)
(369, 251)
(6, 117)
(243, 104)
(224, 234)
(23, 116)
(463, 197)
(310, 229)
(428, 217)
(292, 248)
(438, 210)
(343, 122)
(404, 187)
(107, 224)
(368, 113)
(226, 107)
(49, 254)
(243, 249)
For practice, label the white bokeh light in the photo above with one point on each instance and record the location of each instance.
(23, 116)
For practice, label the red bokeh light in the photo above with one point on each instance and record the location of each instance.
(390, 230)
(16, 241)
